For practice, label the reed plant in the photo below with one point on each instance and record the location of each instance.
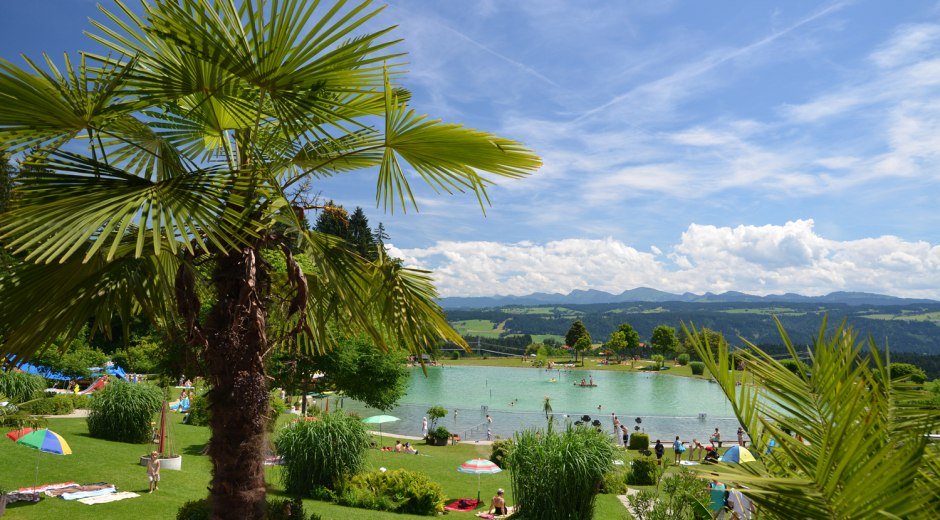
(19, 387)
(123, 412)
(557, 475)
(321, 453)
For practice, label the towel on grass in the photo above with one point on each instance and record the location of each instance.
(463, 504)
(487, 516)
(86, 494)
(688, 463)
(46, 487)
(104, 499)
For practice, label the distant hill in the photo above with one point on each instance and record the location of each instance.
(646, 294)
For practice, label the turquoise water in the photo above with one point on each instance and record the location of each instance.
(514, 398)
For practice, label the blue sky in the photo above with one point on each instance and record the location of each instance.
(688, 146)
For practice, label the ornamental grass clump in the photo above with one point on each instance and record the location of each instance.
(556, 475)
(321, 453)
(19, 387)
(123, 412)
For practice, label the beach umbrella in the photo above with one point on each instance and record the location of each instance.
(737, 455)
(380, 420)
(14, 435)
(47, 441)
(479, 467)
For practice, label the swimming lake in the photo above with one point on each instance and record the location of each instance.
(514, 398)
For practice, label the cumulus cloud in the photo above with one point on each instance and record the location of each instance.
(792, 257)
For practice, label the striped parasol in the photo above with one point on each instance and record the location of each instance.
(479, 467)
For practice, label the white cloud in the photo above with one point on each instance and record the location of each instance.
(766, 259)
(910, 42)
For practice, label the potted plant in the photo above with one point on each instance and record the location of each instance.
(438, 436)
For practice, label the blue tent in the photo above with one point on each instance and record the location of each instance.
(45, 372)
(115, 371)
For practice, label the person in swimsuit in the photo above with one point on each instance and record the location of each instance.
(498, 503)
(153, 471)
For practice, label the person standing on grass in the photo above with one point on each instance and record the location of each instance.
(153, 471)
(625, 434)
(740, 436)
(678, 448)
(660, 450)
(424, 427)
(617, 434)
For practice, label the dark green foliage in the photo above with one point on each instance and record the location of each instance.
(664, 340)
(364, 372)
(399, 491)
(198, 411)
(123, 412)
(321, 453)
(57, 405)
(631, 339)
(906, 370)
(360, 236)
(72, 358)
(639, 441)
(141, 357)
(556, 476)
(19, 387)
(643, 471)
(576, 332)
(683, 495)
(698, 368)
(278, 509)
(499, 452)
(683, 359)
(794, 366)
(439, 433)
(277, 408)
(455, 355)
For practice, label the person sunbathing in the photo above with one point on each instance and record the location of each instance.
(498, 504)
(409, 449)
(398, 446)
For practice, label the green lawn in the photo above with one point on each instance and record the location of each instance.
(482, 328)
(95, 460)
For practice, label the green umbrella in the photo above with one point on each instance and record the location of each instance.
(380, 419)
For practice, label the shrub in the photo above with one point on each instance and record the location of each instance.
(194, 510)
(615, 482)
(455, 355)
(659, 360)
(499, 454)
(282, 509)
(123, 412)
(698, 368)
(643, 471)
(321, 453)
(434, 413)
(19, 387)
(79, 401)
(286, 509)
(439, 433)
(198, 411)
(907, 370)
(794, 366)
(556, 476)
(278, 406)
(681, 497)
(683, 359)
(57, 405)
(399, 491)
(639, 441)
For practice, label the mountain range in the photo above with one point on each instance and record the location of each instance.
(646, 294)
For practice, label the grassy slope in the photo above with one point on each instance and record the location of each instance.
(95, 460)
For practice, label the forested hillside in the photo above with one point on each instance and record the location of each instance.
(911, 328)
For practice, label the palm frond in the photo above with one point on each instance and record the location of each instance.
(105, 205)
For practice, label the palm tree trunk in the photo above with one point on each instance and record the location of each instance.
(236, 344)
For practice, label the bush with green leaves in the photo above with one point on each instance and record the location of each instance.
(639, 441)
(698, 368)
(439, 433)
(556, 475)
(123, 412)
(198, 411)
(434, 413)
(683, 359)
(615, 481)
(321, 453)
(56, 405)
(278, 406)
(658, 360)
(398, 491)
(499, 452)
(907, 371)
(644, 471)
(19, 387)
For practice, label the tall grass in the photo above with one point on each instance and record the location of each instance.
(556, 476)
(321, 453)
(123, 412)
(19, 387)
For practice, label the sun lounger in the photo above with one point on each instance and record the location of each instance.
(112, 497)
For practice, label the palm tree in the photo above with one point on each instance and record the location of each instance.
(848, 441)
(158, 177)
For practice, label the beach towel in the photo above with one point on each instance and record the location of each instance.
(87, 494)
(104, 499)
(489, 516)
(463, 504)
(273, 461)
(688, 463)
(46, 487)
